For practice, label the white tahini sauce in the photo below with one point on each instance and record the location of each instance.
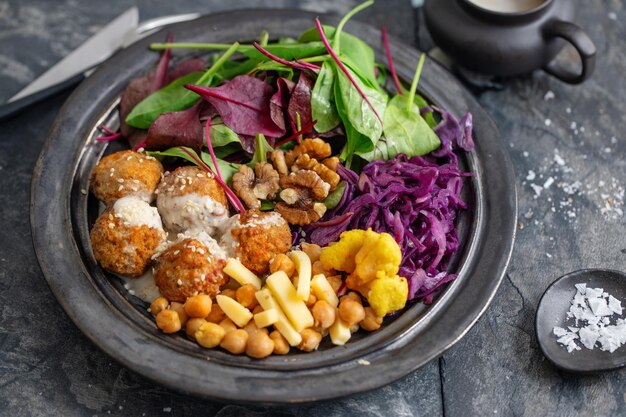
(192, 212)
(143, 287)
(136, 212)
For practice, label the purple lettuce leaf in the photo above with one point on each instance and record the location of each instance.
(243, 104)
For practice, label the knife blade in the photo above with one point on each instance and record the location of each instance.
(93, 51)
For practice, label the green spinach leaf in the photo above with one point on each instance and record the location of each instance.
(428, 116)
(323, 107)
(352, 48)
(405, 132)
(288, 51)
(173, 97)
(335, 196)
(353, 109)
(224, 140)
(261, 150)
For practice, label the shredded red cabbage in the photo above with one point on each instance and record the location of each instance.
(416, 200)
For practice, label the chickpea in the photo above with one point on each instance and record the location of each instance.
(281, 347)
(251, 329)
(229, 292)
(352, 296)
(282, 262)
(245, 295)
(335, 281)
(235, 341)
(180, 309)
(311, 301)
(324, 314)
(158, 304)
(310, 340)
(318, 268)
(228, 325)
(168, 321)
(312, 250)
(260, 345)
(209, 335)
(193, 325)
(257, 310)
(351, 311)
(198, 306)
(216, 315)
(371, 321)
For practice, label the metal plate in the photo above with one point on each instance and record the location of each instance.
(62, 213)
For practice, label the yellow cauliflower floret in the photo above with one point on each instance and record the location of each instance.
(388, 294)
(372, 260)
(340, 255)
(380, 253)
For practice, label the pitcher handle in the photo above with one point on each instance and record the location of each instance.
(579, 40)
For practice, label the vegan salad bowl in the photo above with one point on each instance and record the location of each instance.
(295, 211)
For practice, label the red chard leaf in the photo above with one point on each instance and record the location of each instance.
(300, 101)
(280, 101)
(243, 104)
(181, 128)
(185, 67)
(137, 137)
(248, 143)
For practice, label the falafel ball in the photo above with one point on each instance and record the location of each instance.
(126, 173)
(125, 237)
(189, 198)
(190, 266)
(255, 238)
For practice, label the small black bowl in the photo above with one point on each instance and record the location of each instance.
(552, 310)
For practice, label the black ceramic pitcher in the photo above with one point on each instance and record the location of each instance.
(494, 41)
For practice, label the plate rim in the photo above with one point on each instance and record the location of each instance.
(42, 223)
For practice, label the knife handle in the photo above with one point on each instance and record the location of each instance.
(11, 109)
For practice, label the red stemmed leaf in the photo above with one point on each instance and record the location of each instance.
(185, 67)
(392, 68)
(160, 77)
(181, 128)
(343, 68)
(232, 197)
(243, 104)
(306, 129)
(300, 101)
(280, 101)
(302, 66)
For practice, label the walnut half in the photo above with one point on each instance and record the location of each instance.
(315, 148)
(251, 187)
(304, 161)
(302, 194)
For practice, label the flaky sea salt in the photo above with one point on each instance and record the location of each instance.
(591, 312)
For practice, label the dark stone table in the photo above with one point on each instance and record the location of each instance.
(570, 136)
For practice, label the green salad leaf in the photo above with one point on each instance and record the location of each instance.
(352, 49)
(406, 132)
(354, 110)
(261, 150)
(323, 107)
(224, 140)
(335, 195)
